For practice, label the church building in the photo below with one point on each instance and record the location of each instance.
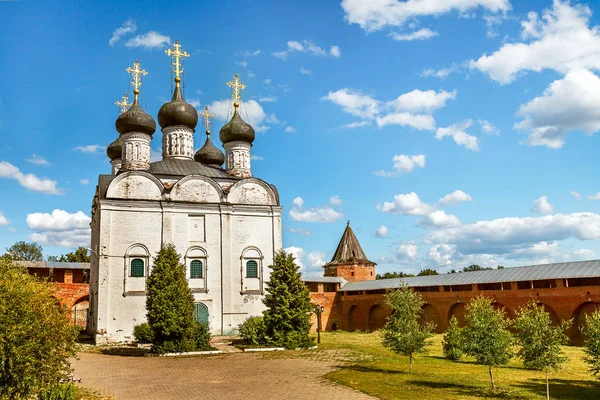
(224, 222)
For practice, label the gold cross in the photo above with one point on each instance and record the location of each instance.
(236, 89)
(207, 117)
(124, 103)
(136, 82)
(177, 54)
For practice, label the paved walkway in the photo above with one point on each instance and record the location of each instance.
(229, 376)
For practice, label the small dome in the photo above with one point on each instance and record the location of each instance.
(135, 120)
(237, 129)
(114, 150)
(209, 154)
(177, 112)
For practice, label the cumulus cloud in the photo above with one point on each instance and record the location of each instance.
(445, 257)
(91, 148)
(406, 252)
(194, 102)
(568, 104)
(298, 253)
(354, 102)
(298, 202)
(38, 160)
(267, 99)
(459, 134)
(323, 215)
(403, 163)
(381, 232)
(561, 40)
(28, 181)
(149, 41)
(405, 204)
(439, 219)
(488, 128)
(251, 111)
(316, 259)
(421, 34)
(3, 220)
(60, 228)
(289, 129)
(335, 201)
(335, 51)
(308, 47)
(128, 26)
(454, 198)
(542, 206)
(376, 15)
(594, 196)
(422, 100)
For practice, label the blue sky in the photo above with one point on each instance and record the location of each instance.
(448, 133)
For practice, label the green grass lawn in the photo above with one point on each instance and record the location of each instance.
(380, 373)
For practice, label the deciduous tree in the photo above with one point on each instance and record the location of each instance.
(453, 343)
(22, 251)
(591, 346)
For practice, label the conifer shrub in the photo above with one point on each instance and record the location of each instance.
(287, 317)
(252, 331)
(170, 304)
(36, 338)
(202, 336)
(453, 343)
(143, 333)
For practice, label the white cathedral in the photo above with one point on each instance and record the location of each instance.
(225, 223)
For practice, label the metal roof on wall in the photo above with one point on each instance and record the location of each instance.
(52, 264)
(323, 279)
(576, 269)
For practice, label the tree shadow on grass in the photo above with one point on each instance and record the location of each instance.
(362, 368)
(469, 390)
(125, 351)
(563, 388)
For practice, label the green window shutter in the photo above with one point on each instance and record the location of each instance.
(201, 312)
(251, 269)
(137, 267)
(196, 269)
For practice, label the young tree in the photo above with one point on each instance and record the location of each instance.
(170, 304)
(22, 251)
(486, 335)
(540, 341)
(80, 255)
(287, 317)
(404, 333)
(36, 339)
(453, 341)
(591, 346)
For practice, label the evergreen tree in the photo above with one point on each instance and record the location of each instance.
(404, 333)
(453, 341)
(591, 346)
(170, 304)
(287, 317)
(486, 335)
(540, 341)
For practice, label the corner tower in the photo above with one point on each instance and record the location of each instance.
(349, 260)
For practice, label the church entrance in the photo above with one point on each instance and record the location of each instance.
(201, 312)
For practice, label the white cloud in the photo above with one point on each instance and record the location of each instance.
(567, 104)
(250, 53)
(447, 256)
(405, 204)
(306, 46)
(560, 40)
(256, 158)
(38, 160)
(316, 259)
(488, 128)
(251, 111)
(128, 26)
(353, 125)
(298, 202)
(91, 148)
(378, 14)
(576, 194)
(28, 181)
(594, 196)
(335, 201)
(354, 102)
(406, 252)
(381, 232)
(403, 163)
(457, 132)
(242, 64)
(290, 129)
(60, 228)
(194, 102)
(416, 121)
(335, 51)
(305, 71)
(149, 41)
(421, 34)
(441, 73)
(3, 220)
(84, 181)
(454, 198)
(323, 215)
(298, 253)
(251, 74)
(422, 100)
(542, 206)
(267, 81)
(300, 231)
(267, 99)
(439, 219)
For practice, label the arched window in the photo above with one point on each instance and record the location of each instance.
(137, 267)
(196, 270)
(251, 269)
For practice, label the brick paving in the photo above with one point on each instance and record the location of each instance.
(228, 376)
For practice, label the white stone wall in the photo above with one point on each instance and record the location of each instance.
(178, 142)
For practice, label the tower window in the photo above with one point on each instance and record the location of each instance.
(251, 269)
(137, 267)
(196, 269)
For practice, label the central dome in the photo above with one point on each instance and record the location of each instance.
(177, 112)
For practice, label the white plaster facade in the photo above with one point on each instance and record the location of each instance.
(222, 222)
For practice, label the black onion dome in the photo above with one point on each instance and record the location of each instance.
(177, 112)
(114, 150)
(209, 154)
(237, 129)
(135, 120)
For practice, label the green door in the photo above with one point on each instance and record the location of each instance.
(201, 312)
